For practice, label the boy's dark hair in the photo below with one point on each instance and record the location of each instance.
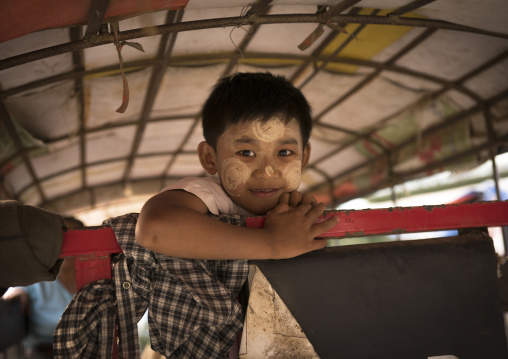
(252, 96)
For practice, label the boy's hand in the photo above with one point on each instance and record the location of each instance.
(295, 198)
(290, 200)
(291, 225)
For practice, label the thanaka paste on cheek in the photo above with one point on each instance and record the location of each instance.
(292, 174)
(234, 175)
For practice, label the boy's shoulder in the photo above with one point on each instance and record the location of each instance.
(210, 192)
(199, 183)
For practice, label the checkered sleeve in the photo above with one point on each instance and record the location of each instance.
(87, 325)
(193, 310)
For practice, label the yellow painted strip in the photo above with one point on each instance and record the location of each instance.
(369, 42)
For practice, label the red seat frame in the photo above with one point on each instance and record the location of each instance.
(93, 246)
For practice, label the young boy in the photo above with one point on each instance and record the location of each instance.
(192, 266)
(256, 128)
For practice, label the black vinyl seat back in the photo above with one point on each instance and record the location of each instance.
(407, 299)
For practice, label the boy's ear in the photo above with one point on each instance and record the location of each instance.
(207, 158)
(306, 155)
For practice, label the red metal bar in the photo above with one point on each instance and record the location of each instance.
(89, 240)
(398, 220)
(92, 249)
(90, 267)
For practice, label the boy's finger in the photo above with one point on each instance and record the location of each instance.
(318, 244)
(307, 198)
(284, 198)
(325, 226)
(280, 208)
(315, 210)
(295, 198)
(304, 209)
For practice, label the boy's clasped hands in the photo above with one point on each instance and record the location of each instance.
(291, 223)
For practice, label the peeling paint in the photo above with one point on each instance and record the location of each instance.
(433, 207)
(398, 231)
(91, 257)
(355, 234)
(87, 229)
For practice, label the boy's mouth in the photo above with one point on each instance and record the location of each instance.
(264, 192)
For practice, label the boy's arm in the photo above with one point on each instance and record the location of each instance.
(175, 223)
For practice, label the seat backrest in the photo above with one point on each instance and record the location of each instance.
(406, 299)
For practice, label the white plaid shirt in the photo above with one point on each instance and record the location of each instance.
(192, 306)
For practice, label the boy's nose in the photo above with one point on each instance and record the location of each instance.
(266, 169)
(265, 172)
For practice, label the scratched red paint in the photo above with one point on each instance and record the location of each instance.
(95, 245)
(410, 219)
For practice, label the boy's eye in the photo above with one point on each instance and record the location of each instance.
(247, 153)
(285, 152)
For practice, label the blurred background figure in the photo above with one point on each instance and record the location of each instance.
(43, 304)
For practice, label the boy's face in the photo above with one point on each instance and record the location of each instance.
(257, 162)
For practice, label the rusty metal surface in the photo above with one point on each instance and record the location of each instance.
(398, 220)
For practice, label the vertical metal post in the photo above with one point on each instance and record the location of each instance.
(390, 161)
(495, 173)
(394, 201)
(394, 196)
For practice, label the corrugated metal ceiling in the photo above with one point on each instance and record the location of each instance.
(399, 89)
